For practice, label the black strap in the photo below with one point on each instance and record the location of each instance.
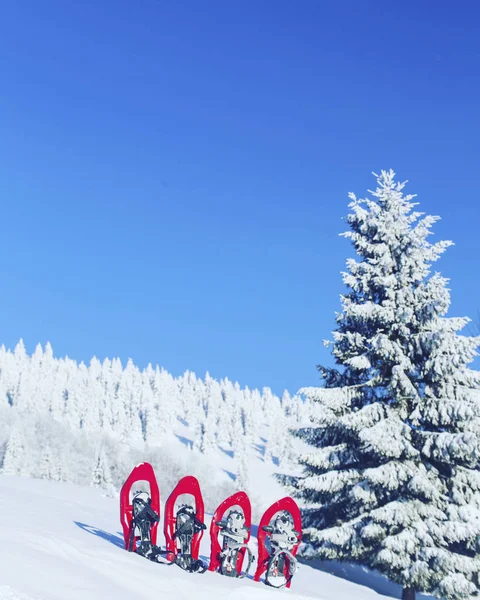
(234, 552)
(184, 528)
(286, 556)
(143, 520)
(191, 566)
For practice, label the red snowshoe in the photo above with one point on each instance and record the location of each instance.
(140, 515)
(232, 520)
(142, 472)
(184, 528)
(279, 536)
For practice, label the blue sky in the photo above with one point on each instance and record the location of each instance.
(173, 174)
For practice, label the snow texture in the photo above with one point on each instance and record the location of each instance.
(61, 541)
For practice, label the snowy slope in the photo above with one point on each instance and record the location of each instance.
(63, 542)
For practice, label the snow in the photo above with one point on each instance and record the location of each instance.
(63, 542)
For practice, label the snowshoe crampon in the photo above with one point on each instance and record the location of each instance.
(184, 528)
(279, 536)
(140, 516)
(232, 522)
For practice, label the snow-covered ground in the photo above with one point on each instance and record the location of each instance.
(63, 542)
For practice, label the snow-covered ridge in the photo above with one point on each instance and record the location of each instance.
(89, 424)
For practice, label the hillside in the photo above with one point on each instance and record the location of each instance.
(63, 542)
(87, 425)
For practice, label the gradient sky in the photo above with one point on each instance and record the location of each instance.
(173, 174)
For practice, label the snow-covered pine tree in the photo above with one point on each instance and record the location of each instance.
(47, 464)
(242, 456)
(208, 442)
(168, 402)
(392, 481)
(16, 459)
(279, 443)
(247, 420)
(9, 374)
(102, 476)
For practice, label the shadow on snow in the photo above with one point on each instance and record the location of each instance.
(185, 441)
(360, 576)
(230, 474)
(104, 535)
(353, 573)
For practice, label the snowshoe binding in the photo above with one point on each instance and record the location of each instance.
(184, 527)
(143, 517)
(141, 473)
(235, 534)
(187, 525)
(279, 537)
(282, 564)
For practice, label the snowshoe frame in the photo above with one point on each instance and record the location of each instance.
(219, 556)
(142, 472)
(188, 534)
(266, 559)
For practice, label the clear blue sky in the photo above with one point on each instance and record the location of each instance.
(173, 174)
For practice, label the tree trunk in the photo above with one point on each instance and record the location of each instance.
(408, 593)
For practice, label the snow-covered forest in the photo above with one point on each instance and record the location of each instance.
(91, 424)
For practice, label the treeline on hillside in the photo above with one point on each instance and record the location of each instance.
(90, 424)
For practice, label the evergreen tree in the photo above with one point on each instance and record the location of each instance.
(247, 420)
(101, 476)
(393, 480)
(47, 464)
(59, 470)
(168, 403)
(208, 442)
(215, 410)
(242, 479)
(9, 372)
(15, 460)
